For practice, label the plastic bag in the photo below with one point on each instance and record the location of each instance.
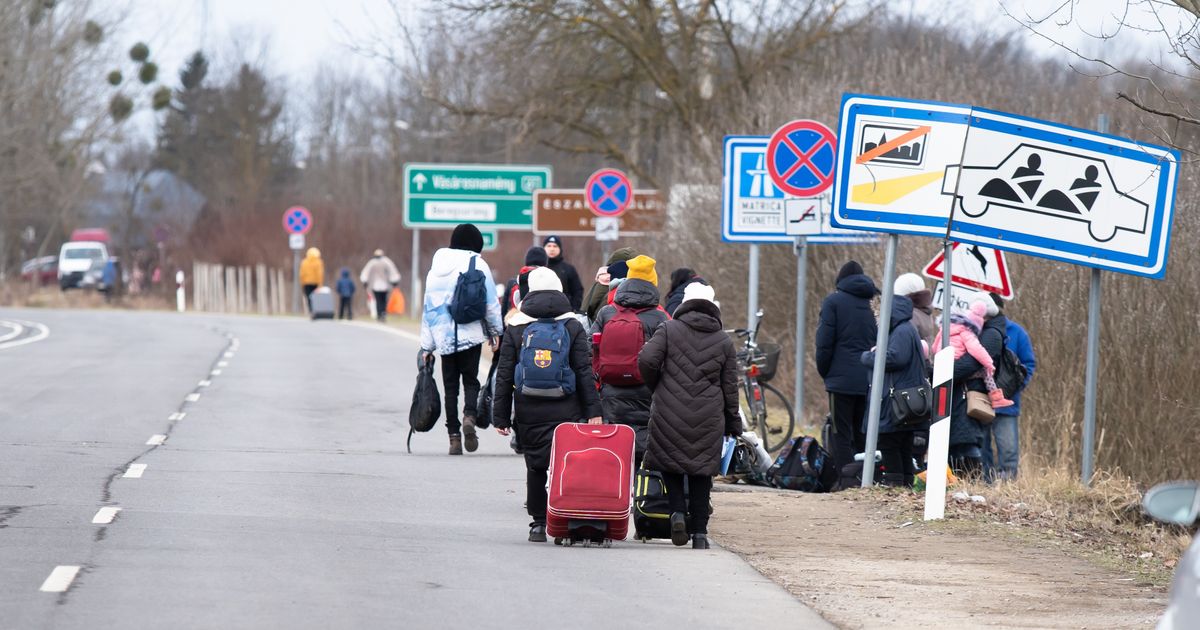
(483, 406)
(396, 304)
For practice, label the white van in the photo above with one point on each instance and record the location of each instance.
(76, 258)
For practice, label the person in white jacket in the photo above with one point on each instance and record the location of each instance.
(459, 345)
(379, 276)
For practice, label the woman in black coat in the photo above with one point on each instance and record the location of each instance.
(690, 365)
(536, 418)
(966, 434)
(680, 279)
(904, 367)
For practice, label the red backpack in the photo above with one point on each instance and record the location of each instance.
(620, 343)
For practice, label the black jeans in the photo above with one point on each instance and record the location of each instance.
(381, 300)
(897, 451)
(696, 507)
(848, 438)
(308, 291)
(345, 308)
(464, 365)
(535, 493)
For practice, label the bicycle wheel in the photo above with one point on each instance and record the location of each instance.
(777, 401)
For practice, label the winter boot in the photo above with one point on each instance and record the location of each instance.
(700, 541)
(679, 535)
(893, 480)
(470, 438)
(456, 445)
(998, 399)
(537, 532)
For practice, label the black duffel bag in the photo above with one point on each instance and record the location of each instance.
(426, 406)
(483, 404)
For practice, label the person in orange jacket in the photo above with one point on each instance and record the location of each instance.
(312, 274)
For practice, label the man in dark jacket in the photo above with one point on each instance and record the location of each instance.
(534, 257)
(536, 418)
(680, 279)
(630, 404)
(691, 367)
(904, 367)
(566, 272)
(1004, 427)
(966, 434)
(847, 329)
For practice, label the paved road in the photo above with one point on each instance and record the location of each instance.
(283, 497)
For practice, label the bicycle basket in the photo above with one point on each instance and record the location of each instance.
(767, 360)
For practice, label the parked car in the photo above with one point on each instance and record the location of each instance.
(76, 258)
(1178, 502)
(45, 269)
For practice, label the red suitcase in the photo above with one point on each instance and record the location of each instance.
(591, 483)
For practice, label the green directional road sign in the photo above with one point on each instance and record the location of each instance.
(489, 195)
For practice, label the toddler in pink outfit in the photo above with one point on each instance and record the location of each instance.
(964, 338)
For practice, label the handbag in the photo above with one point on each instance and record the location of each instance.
(911, 406)
(426, 401)
(979, 407)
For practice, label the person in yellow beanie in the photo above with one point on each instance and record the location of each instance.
(642, 268)
(312, 274)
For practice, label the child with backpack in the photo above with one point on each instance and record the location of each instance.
(544, 379)
(691, 367)
(964, 338)
(461, 313)
(618, 334)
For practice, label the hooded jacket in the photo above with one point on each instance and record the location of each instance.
(847, 329)
(598, 293)
(345, 284)
(631, 404)
(690, 366)
(1018, 341)
(904, 365)
(438, 330)
(923, 315)
(379, 274)
(572, 287)
(312, 268)
(535, 418)
(965, 431)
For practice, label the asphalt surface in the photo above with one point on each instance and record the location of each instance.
(283, 496)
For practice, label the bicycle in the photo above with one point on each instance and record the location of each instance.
(757, 363)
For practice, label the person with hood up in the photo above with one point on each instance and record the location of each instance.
(459, 345)
(846, 329)
(680, 279)
(534, 257)
(904, 367)
(623, 394)
(691, 367)
(345, 290)
(911, 286)
(597, 294)
(312, 274)
(966, 433)
(536, 417)
(572, 287)
(379, 275)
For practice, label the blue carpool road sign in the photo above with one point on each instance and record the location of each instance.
(753, 207)
(1015, 183)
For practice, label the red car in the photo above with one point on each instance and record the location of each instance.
(46, 268)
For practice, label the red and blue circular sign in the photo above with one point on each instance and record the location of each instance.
(801, 156)
(297, 220)
(608, 192)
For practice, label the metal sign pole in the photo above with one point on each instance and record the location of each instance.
(414, 299)
(801, 336)
(881, 344)
(1093, 360)
(296, 281)
(752, 289)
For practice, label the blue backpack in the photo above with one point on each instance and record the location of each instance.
(469, 303)
(544, 369)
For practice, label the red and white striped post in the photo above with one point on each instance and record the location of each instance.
(939, 435)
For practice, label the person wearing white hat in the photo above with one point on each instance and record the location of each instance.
(911, 286)
(966, 433)
(378, 276)
(543, 400)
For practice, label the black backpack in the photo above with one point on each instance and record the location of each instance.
(469, 303)
(803, 465)
(1010, 372)
(426, 401)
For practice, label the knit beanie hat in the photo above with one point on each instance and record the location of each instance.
(977, 312)
(625, 253)
(619, 270)
(544, 279)
(908, 283)
(697, 291)
(990, 308)
(378, 252)
(536, 257)
(466, 236)
(553, 238)
(642, 268)
(849, 269)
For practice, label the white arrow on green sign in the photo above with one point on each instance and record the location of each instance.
(489, 195)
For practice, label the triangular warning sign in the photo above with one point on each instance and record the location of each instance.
(975, 267)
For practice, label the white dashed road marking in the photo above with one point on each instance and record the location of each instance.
(215, 373)
(60, 579)
(178, 415)
(105, 515)
(223, 364)
(204, 383)
(228, 355)
(135, 471)
(156, 440)
(192, 397)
